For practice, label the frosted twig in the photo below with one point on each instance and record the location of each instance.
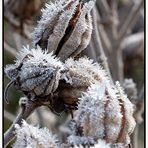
(25, 112)
(131, 18)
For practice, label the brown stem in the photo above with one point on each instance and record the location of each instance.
(23, 115)
(97, 42)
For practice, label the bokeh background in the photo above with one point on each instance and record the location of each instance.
(120, 24)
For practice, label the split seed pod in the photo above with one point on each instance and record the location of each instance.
(65, 27)
(35, 72)
(104, 113)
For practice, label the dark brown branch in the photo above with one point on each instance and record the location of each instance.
(26, 110)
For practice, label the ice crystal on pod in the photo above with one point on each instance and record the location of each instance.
(65, 27)
(78, 76)
(35, 71)
(29, 136)
(83, 71)
(77, 140)
(104, 112)
(128, 122)
(100, 144)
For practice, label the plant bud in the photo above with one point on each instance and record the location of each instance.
(65, 27)
(35, 72)
(78, 76)
(104, 112)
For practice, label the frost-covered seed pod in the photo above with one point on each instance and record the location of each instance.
(78, 76)
(65, 27)
(35, 72)
(104, 112)
(29, 136)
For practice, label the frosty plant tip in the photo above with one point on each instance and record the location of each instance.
(104, 112)
(65, 27)
(35, 72)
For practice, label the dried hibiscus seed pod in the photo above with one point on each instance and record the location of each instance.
(104, 112)
(78, 76)
(35, 72)
(65, 27)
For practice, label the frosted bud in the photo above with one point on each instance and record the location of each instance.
(104, 112)
(65, 27)
(35, 72)
(78, 76)
(29, 136)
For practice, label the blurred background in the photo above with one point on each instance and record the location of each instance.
(118, 27)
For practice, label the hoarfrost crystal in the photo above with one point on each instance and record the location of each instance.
(29, 136)
(35, 71)
(65, 27)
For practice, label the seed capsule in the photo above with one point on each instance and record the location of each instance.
(104, 112)
(65, 27)
(35, 72)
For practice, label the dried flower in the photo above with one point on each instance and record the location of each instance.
(65, 27)
(29, 136)
(104, 112)
(35, 72)
(78, 76)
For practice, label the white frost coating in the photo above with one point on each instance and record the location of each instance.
(29, 136)
(113, 119)
(61, 26)
(102, 144)
(81, 27)
(38, 55)
(92, 104)
(38, 71)
(77, 140)
(84, 67)
(51, 10)
(130, 121)
(99, 144)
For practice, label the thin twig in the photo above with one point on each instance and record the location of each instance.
(97, 41)
(103, 35)
(24, 114)
(131, 18)
(103, 7)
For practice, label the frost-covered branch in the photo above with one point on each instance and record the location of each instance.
(31, 136)
(27, 108)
